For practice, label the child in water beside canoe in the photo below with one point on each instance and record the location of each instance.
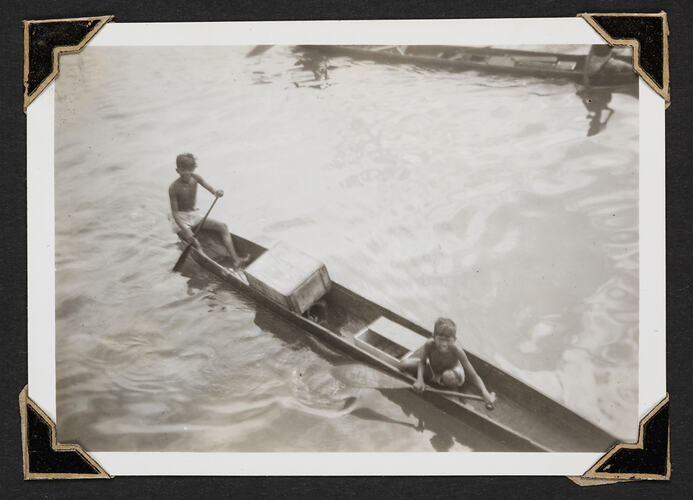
(182, 194)
(440, 361)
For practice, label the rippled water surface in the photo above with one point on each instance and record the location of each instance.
(434, 193)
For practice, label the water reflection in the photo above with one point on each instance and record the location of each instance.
(258, 50)
(597, 103)
(271, 322)
(314, 62)
(601, 66)
(447, 432)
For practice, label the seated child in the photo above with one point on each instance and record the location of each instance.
(440, 361)
(185, 218)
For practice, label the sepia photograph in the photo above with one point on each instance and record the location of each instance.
(319, 248)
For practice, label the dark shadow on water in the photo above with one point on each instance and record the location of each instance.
(446, 429)
(293, 336)
(313, 62)
(598, 111)
(258, 50)
(601, 69)
(369, 414)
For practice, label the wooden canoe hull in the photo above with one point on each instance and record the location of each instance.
(524, 419)
(503, 61)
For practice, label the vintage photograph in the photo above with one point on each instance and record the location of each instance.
(347, 248)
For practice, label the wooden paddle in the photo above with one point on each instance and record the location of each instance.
(357, 375)
(186, 251)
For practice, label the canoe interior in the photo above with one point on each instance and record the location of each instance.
(541, 423)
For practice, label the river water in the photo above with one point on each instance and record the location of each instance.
(473, 196)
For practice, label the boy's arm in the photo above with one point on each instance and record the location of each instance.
(174, 205)
(471, 372)
(419, 385)
(203, 183)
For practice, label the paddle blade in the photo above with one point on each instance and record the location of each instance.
(367, 377)
(181, 259)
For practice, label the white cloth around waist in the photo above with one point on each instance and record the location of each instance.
(189, 218)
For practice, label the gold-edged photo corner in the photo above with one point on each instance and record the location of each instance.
(26, 405)
(55, 51)
(598, 474)
(635, 45)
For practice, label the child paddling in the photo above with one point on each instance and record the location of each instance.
(182, 194)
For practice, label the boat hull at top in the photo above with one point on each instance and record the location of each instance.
(503, 61)
(523, 418)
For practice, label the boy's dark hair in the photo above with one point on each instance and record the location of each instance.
(445, 328)
(186, 161)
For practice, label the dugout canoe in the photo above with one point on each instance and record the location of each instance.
(493, 60)
(524, 419)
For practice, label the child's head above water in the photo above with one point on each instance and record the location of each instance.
(445, 328)
(185, 162)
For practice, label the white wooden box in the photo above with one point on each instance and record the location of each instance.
(289, 277)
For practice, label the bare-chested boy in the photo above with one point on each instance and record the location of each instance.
(440, 361)
(182, 194)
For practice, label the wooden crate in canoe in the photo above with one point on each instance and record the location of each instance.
(289, 277)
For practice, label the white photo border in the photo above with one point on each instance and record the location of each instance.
(41, 244)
